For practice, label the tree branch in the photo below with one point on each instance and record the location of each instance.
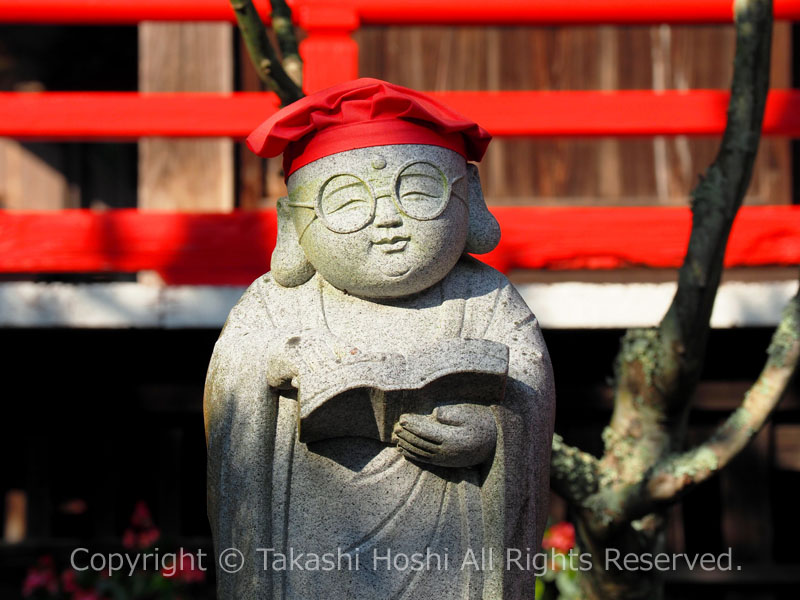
(715, 202)
(262, 53)
(657, 369)
(287, 40)
(679, 474)
(574, 474)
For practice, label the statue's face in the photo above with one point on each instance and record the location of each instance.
(382, 222)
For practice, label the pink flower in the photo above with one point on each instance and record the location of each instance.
(149, 537)
(141, 518)
(560, 537)
(142, 533)
(68, 581)
(42, 576)
(185, 570)
(129, 539)
(86, 595)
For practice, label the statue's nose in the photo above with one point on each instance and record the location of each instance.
(386, 213)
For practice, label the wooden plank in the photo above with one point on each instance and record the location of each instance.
(787, 446)
(609, 167)
(32, 176)
(558, 306)
(15, 522)
(566, 63)
(188, 175)
(251, 169)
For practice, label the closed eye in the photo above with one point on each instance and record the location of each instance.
(416, 193)
(351, 203)
(344, 187)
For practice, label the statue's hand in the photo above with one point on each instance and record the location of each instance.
(302, 352)
(459, 435)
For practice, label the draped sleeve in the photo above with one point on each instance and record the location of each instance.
(516, 486)
(240, 413)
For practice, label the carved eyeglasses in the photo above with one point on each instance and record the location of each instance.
(346, 203)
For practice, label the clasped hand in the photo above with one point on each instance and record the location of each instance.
(458, 435)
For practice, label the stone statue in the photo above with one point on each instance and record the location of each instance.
(379, 406)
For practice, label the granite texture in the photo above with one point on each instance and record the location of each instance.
(379, 395)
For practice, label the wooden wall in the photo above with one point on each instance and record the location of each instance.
(186, 175)
(584, 171)
(747, 507)
(216, 175)
(56, 175)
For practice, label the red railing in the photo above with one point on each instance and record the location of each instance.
(129, 115)
(235, 248)
(394, 12)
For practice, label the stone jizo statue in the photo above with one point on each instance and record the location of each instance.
(379, 406)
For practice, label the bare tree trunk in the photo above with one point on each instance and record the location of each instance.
(619, 500)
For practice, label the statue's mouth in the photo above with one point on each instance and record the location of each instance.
(392, 245)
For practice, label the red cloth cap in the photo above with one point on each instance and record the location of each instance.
(360, 114)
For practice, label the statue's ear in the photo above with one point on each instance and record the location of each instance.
(289, 266)
(484, 231)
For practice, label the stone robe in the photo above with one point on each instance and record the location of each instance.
(357, 501)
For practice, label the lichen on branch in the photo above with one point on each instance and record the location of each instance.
(678, 474)
(573, 473)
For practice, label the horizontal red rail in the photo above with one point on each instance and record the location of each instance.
(129, 115)
(389, 12)
(517, 12)
(235, 248)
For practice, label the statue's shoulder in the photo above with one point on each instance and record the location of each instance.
(473, 279)
(280, 304)
(483, 291)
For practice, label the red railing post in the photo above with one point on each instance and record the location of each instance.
(329, 52)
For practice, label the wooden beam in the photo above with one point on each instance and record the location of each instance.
(186, 175)
(32, 176)
(787, 446)
(124, 305)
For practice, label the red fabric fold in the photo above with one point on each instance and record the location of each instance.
(360, 114)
